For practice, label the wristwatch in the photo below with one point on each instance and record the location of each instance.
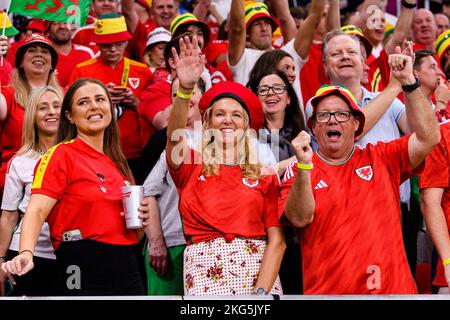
(260, 292)
(411, 87)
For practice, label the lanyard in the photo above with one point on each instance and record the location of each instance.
(126, 72)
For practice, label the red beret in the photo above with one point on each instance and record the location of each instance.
(246, 98)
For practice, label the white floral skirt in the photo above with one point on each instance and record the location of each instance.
(217, 267)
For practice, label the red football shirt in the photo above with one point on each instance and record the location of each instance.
(5, 73)
(354, 244)
(87, 185)
(11, 130)
(139, 78)
(312, 75)
(137, 44)
(437, 175)
(379, 72)
(11, 55)
(66, 64)
(209, 211)
(83, 35)
(155, 98)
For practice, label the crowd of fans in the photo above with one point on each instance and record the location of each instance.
(282, 149)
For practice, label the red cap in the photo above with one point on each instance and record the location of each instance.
(246, 98)
(33, 39)
(37, 25)
(344, 93)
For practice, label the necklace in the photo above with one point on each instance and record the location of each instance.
(332, 163)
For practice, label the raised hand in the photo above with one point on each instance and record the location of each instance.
(402, 67)
(190, 63)
(302, 148)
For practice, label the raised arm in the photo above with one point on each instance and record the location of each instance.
(287, 22)
(300, 204)
(334, 15)
(374, 110)
(189, 65)
(35, 216)
(130, 15)
(305, 34)
(419, 111)
(201, 10)
(237, 32)
(402, 28)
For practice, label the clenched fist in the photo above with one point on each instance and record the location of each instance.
(302, 148)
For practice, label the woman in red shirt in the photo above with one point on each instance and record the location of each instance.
(234, 247)
(76, 188)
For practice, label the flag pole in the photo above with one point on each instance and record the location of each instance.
(4, 28)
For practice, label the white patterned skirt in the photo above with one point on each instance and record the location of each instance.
(217, 267)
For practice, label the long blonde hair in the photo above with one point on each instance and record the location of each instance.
(22, 88)
(247, 156)
(30, 135)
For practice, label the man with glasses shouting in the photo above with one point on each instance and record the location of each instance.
(345, 199)
(125, 79)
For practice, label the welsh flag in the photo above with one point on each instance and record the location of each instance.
(70, 11)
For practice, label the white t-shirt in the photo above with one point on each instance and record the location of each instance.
(241, 70)
(16, 196)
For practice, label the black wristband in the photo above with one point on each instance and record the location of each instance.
(408, 5)
(411, 87)
(23, 251)
(3, 258)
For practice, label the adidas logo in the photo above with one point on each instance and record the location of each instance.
(321, 185)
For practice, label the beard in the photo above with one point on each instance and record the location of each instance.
(60, 39)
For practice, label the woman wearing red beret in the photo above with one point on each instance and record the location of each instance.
(228, 199)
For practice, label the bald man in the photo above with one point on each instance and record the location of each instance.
(424, 29)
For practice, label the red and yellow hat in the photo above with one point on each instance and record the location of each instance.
(244, 96)
(145, 3)
(256, 10)
(36, 38)
(186, 19)
(442, 43)
(355, 31)
(111, 28)
(388, 30)
(10, 31)
(344, 93)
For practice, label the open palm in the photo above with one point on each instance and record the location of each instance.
(190, 63)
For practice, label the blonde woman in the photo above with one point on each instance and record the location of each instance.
(36, 60)
(228, 200)
(39, 134)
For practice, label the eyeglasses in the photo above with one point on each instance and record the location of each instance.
(340, 116)
(117, 45)
(276, 88)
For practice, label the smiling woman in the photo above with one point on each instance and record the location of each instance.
(247, 231)
(39, 134)
(77, 190)
(36, 61)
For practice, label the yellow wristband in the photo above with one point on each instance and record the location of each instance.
(184, 96)
(446, 262)
(305, 166)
